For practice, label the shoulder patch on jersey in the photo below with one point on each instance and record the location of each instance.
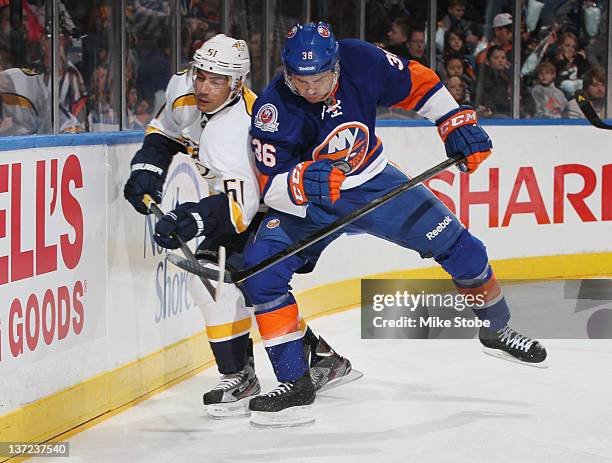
(348, 142)
(323, 31)
(28, 71)
(249, 99)
(292, 32)
(266, 118)
(273, 223)
(184, 100)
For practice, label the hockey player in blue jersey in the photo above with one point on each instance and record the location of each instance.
(322, 110)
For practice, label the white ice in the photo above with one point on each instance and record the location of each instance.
(419, 401)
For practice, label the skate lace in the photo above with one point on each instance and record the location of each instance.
(514, 340)
(280, 389)
(229, 381)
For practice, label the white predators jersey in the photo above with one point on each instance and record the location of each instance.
(24, 102)
(221, 150)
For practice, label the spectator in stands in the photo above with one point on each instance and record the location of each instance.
(397, 37)
(570, 63)
(416, 45)
(148, 27)
(73, 94)
(458, 90)
(131, 102)
(594, 84)
(143, 115)
(550, 102)
(494, 86)
(377, 24)
(454, 66)
(100, 104)
(455, 46)
(455, 19)
(502, 31)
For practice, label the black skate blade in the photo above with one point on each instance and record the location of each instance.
(500, 354)
(354, 375)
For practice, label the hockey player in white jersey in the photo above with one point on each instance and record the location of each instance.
(207, 115)
(24, 103)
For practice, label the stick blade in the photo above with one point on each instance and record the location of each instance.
(196, 268)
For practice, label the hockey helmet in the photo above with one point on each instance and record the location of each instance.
(310, 49)
(226, 56)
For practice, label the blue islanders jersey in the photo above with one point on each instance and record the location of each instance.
(286, 129)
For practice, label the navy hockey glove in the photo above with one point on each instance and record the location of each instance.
(149, 168)
(461, 134)
(144, 179)
(317, 182)
(186, 222)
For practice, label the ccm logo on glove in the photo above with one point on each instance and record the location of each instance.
(316, 182)
(462, 135)
(465, 117)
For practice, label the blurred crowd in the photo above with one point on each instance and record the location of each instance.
(88, 62)
(563, 49)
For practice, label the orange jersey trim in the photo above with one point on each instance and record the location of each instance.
(263, 181)
(423, 80)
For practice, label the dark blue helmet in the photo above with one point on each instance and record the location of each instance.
(310, 49)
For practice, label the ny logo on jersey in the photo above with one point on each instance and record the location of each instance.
(348, 141)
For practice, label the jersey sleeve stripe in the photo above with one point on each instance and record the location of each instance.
(427, 96)
(424, 83)
(151, 129)
(237, 216)
(12, 99)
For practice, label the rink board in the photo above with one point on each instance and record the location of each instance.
(101, 319)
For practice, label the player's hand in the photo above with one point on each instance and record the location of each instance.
(317, 182)
(144, 179)
(462, 135)
(186, 222)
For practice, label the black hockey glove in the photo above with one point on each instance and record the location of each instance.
(186, 222)
(149, 169)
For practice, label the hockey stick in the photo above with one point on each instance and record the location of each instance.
(589, 112)
(239, 276)
(153, 207)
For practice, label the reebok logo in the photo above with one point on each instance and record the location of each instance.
(441, 226)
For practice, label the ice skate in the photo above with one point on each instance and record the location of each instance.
(510, 345)
(328, 369)
(230, 398)
(290, 404)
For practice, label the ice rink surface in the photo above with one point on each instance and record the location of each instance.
(419, 401)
